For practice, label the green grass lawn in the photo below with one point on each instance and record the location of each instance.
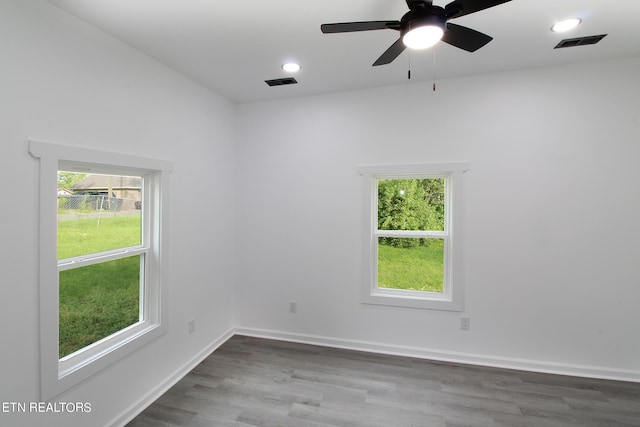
(80, 234)
(419, 268)
(98, 300)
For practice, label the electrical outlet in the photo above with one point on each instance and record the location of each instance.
(465, 323)
(293, 307)
(192, 325)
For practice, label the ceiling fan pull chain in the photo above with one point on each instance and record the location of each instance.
(409, 68)
(434, 69)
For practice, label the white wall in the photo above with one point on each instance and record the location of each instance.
(64, 82)
(552, 218)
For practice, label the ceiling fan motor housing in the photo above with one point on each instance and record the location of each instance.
(420, 17)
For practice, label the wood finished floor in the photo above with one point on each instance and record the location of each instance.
(258, 382)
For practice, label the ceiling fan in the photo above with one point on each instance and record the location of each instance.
(423, 26)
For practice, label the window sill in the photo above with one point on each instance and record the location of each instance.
(409, 299)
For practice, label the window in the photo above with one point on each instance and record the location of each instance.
(102, 246)
(413, 233)
(102, 261)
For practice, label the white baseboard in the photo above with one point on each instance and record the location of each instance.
(450, 356)
(141, 404)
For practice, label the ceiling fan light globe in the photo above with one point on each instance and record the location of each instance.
(422, 37)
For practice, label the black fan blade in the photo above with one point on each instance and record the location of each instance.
(458, 8)
(465, 38)
(392, 53)
(349, 27)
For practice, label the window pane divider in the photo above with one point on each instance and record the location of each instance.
(411, 233)
(84, 260)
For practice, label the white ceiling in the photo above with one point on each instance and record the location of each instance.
(233, 46)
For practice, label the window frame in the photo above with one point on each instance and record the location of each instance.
(60, 374)
(453, 287)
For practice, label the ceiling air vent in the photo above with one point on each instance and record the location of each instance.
(281, 82)
(580, 41)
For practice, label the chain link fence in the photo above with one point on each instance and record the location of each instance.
(97, 202)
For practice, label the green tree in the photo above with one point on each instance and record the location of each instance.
(434, 195)
(67, 180)
(410, 204)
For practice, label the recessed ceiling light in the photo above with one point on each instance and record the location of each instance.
(566, 25)
(291, 67)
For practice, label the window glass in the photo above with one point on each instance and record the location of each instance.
(407, 205)
(98, 300)
(99, 222)
(411, 264)
(411, 204)
(97, 213)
